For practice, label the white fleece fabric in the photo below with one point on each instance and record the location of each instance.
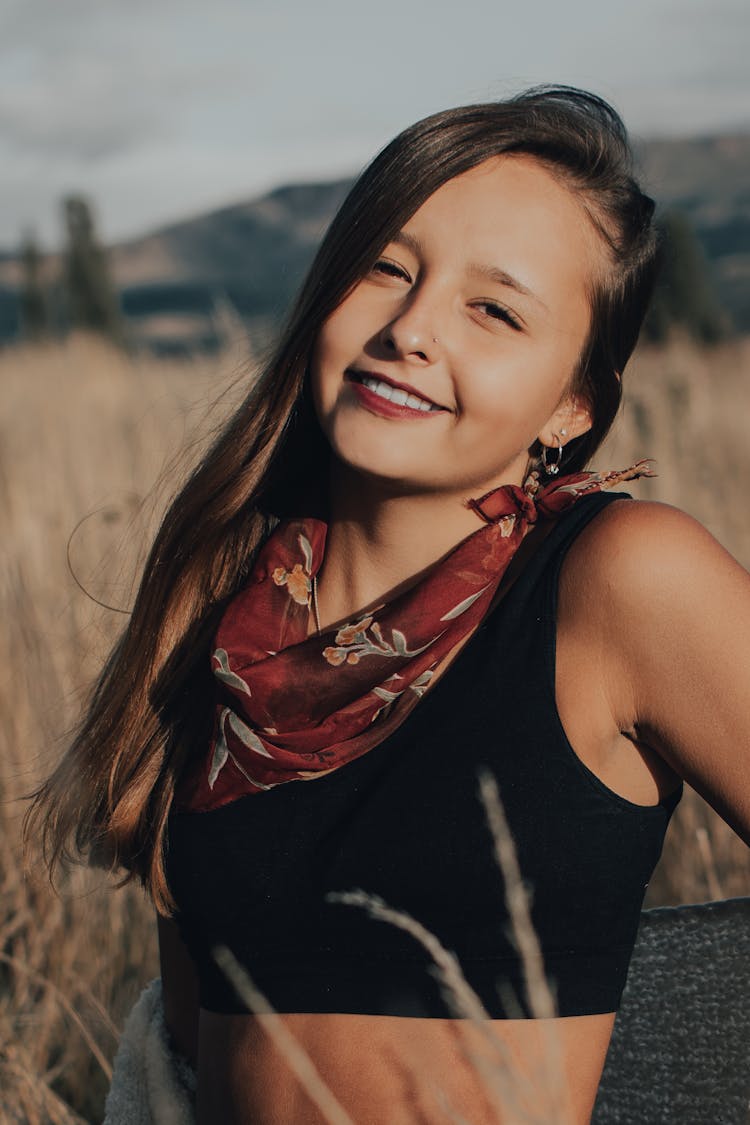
(151, 1084)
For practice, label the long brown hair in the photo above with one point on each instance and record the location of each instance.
(110, 796)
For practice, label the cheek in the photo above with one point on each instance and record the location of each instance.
(323, 362)
(522, 391)
(334, 349)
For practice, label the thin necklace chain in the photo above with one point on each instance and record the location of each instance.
(315, 604)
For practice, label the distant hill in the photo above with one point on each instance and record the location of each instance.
(708, 180)
(254, 254)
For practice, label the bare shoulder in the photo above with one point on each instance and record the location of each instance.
(632, 529)
(663, 610)
(641, 553)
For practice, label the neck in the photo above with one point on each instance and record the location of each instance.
(380, 541)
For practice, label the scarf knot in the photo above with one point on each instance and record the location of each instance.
(507, 501)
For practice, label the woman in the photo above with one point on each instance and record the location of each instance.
(390, 574)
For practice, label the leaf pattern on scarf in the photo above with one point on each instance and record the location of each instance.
(388, 696)
(419, 686)
(352, 643)
(246, 736)
(222, 754)
(225, 673)
(462, 606)
(307, 551)
(253, 780)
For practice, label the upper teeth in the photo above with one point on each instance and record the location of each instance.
(393, 394)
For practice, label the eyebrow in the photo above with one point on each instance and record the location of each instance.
(502, 277)
(477, 269)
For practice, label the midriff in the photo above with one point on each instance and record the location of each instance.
(402, 1071)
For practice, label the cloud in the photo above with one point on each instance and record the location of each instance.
(60, 114)
(154, 104)
(88, 79)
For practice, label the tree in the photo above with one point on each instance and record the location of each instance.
(684, 294)
(34, 312)
(91, 297)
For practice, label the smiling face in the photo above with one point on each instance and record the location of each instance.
(478, 310)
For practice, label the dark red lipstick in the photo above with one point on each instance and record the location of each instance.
(379, 405)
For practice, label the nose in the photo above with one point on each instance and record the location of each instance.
(412, 335)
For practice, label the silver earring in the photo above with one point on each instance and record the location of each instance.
(554, 468)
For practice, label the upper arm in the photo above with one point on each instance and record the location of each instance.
(179, 989)
(671, 612)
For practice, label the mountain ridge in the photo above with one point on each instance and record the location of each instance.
(254, 253)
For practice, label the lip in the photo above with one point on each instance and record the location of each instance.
(353, 375)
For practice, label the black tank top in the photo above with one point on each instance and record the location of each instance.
(405, 822)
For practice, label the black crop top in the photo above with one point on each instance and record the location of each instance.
(405, 822)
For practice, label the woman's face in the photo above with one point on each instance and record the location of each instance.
(479, 310)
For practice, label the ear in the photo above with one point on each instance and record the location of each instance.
(571, 418)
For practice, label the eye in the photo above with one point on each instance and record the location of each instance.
(500, 312)
(388, 268)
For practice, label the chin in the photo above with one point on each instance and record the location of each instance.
(380, 459)
(393, 466)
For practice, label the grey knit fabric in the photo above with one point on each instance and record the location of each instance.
(680, 1051)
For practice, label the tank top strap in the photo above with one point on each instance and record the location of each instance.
(538, 575)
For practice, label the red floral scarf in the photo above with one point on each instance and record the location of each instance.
(294, 707)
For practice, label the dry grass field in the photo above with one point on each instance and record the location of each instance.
(88, 441)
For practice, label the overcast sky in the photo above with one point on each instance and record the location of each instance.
(160, 109)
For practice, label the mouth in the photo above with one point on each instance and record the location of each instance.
(400, 394)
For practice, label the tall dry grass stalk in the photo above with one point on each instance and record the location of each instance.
(297, 1059)
(84, 436)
